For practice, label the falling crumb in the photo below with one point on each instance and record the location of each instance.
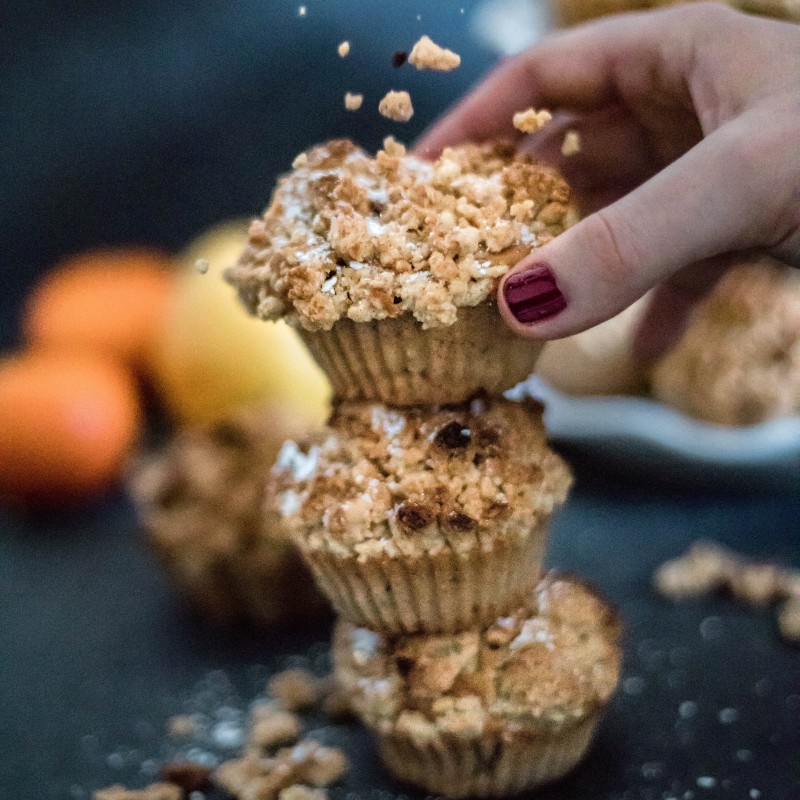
(155, 791)
(755, 794)
(343, 49)
(181, 726)
(272, 728)
(294, 689)
(201, 265)
(789, 620)
(530, 120)
(426, 54)
(706, 782)
(399, 58)
(571, 144)
(352, 102)
(300, 792)
(396, 106)
(727, 716)
(190, 777)
(301, 11)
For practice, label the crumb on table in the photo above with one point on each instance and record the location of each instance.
(294, 689)
(426, 54)
(155, 791)
(352, 102)
(396, 106)
(271, 727)
(299, 792)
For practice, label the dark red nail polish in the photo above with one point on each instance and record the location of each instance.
(532, 295)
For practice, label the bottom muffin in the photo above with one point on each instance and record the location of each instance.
(202, 504)
(494, 712)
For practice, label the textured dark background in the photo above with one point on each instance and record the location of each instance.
(147, 122)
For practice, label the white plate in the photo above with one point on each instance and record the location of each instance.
(645, 434)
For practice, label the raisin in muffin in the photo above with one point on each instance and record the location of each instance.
(388, 265)
(429, 519)
(493, 712)
(738, 361)
(202, 504)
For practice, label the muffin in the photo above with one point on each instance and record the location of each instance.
(738, 361)
(202, 505)
(430, 519)
(571, 12)
(493, 712)
(388, 266)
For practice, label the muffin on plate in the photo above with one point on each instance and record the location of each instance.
(493, 712)
(388, 265)
(738, 361)
(430, 519)
(202, 505)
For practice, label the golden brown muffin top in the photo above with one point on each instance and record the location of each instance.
(544, 667)
(207, 488)
(347, 235)
(385, 478)
(738, 361)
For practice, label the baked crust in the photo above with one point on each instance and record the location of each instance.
(349, 236)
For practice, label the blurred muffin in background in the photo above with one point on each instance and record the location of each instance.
(738, 361)
(572, 12)
(211, 358)
(598, 361)
(202, 504)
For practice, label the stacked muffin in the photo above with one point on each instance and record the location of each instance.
(422, 510)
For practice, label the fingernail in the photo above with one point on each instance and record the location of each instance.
(532, 295)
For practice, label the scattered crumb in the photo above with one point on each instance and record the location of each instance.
(187, 775)
(271, 728)
(294, 689)
(530, 120)
(707, 567)
(155, 791)
(181, 726)
(325, 766)
(396, 106)
(300, 792)
(301, 11)
(201, 265)
(352, 102)
(571, 144)
(426, 54)
(343, 49)
(789, 620)
(399, 58)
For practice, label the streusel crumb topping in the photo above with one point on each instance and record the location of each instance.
(365, 238)
(544, 667)
(395, 480)
(426, 54)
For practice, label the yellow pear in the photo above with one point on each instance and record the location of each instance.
(213, 357)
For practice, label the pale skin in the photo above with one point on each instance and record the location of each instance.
(689, 120)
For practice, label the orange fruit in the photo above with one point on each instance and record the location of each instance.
(67, 423)
(111, 300)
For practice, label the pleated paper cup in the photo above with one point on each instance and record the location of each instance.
(490, 766)
(396, 362)
(436, 592)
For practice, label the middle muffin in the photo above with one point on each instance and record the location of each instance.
(423, 519)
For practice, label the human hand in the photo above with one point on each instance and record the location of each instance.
(689, 121)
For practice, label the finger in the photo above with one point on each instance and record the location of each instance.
(582, 69)
(722, 196)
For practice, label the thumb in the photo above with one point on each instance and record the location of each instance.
(721, 196)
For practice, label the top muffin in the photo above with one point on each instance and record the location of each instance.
(349, 236)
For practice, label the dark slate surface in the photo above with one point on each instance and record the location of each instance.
(147, 121)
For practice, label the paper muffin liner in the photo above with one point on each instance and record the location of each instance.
(395, 361)
(440, 592)
(491, 766)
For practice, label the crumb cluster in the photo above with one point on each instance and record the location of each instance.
(426, 54)
(708, 567)
(544, 667)
(530, 120)
(397, 106)
(351, 236)
(393, 481)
